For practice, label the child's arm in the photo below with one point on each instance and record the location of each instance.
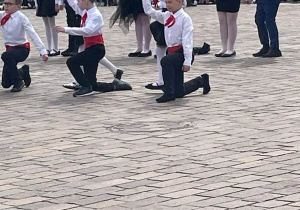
(157, 15)
(75, 7)
(35, 38)
(187, 41)
(89, 29)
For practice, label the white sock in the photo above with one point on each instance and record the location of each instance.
(107, 64)
(160, 53)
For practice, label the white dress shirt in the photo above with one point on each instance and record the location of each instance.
(15, 30)
(93, 23)
(181, 33)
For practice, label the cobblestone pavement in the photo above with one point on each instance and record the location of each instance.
(235, 148)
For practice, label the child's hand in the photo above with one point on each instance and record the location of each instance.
(45, 57)
(186, 68)
(59, 29)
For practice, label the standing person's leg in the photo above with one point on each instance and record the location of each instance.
(139, 37)
(262, 29)
(271, 9)
(70, 19)
(232, 32)
(11, 73)
(145, 20)
(54, 37)
(223, 33)
(48, 34)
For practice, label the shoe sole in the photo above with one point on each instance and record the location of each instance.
(87, 94)
(71, 87)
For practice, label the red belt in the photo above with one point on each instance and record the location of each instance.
(172, 50)
(26, 45)
(93, 40)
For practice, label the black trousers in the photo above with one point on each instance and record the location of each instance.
(173, 76)
(89, 60)
(73, 20)
(11, 58)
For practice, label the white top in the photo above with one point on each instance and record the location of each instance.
(93, 23)
(162, 4)
(15, 30)
(181, 33)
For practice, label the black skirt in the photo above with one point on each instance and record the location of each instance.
(46, 8)
(228, 5)
(127, 12)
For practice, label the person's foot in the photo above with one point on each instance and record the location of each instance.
(154, 86)
(228, 54)
(134, 54)
(205, 83)
(142, 54)
(262, 52)
(18, 86)
(119, 74)
(73, 86)
(272, 54)
(67, 52)
(54, 52)
(84, 91)
(121, 85)
(26, 75)
(220, 53)
(165, 98)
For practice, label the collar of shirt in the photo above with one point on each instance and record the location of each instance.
(178, 13)
(90, 11)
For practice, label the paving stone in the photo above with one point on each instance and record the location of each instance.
(235, 148)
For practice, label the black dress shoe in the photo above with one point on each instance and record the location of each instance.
(54, 53)
(272, 54)
(18, 86)
(67, 52)
(262, 51)
(226, 55)
(201, 50)
(134, 54)
(26, 75)
(165, 98)
(154, 87)
(145, 54)
(72, 86)
(205, 83)
(219, 54)
(119, 74)
(121, 85)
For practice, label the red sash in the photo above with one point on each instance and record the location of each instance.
(93, 40)
(172, 50)
(26, 45)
